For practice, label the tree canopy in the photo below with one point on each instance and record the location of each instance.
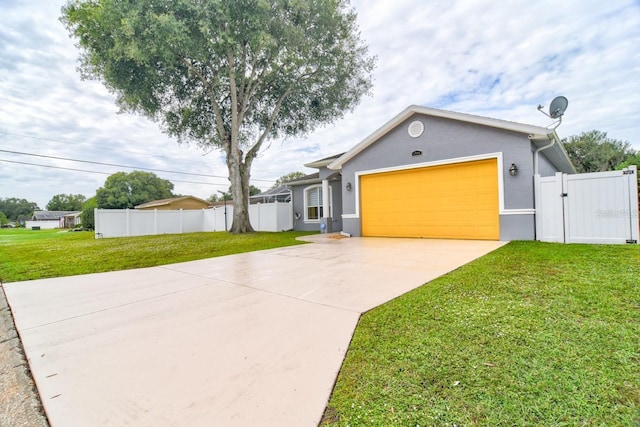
(88, 214)
(215, 197)
(127, 190)
(66, 202)
(286, 178)
(17, 209)
(226, 73)
(594, 152)
(3, 218)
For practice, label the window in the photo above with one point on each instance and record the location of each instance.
(313, 203)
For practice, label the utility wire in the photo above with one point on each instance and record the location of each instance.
(97, 172)
(118, 165)
(106, 148)
(39, 138)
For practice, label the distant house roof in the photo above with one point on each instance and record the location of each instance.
(165, 202)
(279, 194)
(51, 215)
(223, 202)
(273, 192)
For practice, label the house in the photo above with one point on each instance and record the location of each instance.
(47, 220)
(175, 203)
(72, 220)
(434, 174)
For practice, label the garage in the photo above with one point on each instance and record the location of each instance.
(452, 201)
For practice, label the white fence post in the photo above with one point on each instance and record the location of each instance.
(155, 221)
(128, 233)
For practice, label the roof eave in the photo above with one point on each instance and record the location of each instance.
(317, 164)
(555, 153)
(303, 182)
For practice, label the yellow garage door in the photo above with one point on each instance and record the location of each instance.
(455, 201)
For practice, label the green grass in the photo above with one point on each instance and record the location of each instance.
(27, 254)
(533, 334)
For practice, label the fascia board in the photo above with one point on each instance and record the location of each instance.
(304, 182)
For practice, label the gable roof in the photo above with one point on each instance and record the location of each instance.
(540, 136)
(164, 202)
(323, 162)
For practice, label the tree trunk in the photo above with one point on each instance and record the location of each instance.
(239, 176)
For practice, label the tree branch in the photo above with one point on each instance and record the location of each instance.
(235, 119)
(222, 133)
(253, 151)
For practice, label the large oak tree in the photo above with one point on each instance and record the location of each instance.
(127, 190)
(231, 74)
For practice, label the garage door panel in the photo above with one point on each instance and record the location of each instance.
(449, 201)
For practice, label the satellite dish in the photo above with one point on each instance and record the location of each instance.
(558, 107)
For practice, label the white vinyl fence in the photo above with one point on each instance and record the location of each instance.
(599, 207)
(130, 222)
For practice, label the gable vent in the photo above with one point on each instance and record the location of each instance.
(416, 128)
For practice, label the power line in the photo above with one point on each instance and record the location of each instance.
(39, 138)
(120, 166)
(96, 172)
(108, 148)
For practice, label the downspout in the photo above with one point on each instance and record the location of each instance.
(538, 150)
(536, 155)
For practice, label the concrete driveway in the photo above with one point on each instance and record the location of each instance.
(249, 339)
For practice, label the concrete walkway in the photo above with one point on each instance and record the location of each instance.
(249, 339)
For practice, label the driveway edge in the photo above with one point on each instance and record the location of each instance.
(20, 403)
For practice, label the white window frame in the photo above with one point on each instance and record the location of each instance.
(320, 203)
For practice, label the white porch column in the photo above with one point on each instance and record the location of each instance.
(325, 199)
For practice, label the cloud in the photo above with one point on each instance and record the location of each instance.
(497, 59)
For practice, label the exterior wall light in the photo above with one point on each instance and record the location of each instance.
(513, 170)
(348, 186)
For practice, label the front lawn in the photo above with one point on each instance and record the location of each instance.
(532, 334)
(36, 254)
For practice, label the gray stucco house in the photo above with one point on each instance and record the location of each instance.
(433, 174)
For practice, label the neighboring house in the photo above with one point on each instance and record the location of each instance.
(72, 220)
(53, 219)
(175, 203)
(434, 174)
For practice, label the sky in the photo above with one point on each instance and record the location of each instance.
(493, 59)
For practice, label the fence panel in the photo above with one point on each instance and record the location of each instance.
(599, 207)
(549, 216)
(140, 223)
(125, 222)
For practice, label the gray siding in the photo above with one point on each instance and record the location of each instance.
(446, 139)
(517, 227)
(545, 167)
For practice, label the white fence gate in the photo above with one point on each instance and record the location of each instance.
(130, 222)
(599, 207)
